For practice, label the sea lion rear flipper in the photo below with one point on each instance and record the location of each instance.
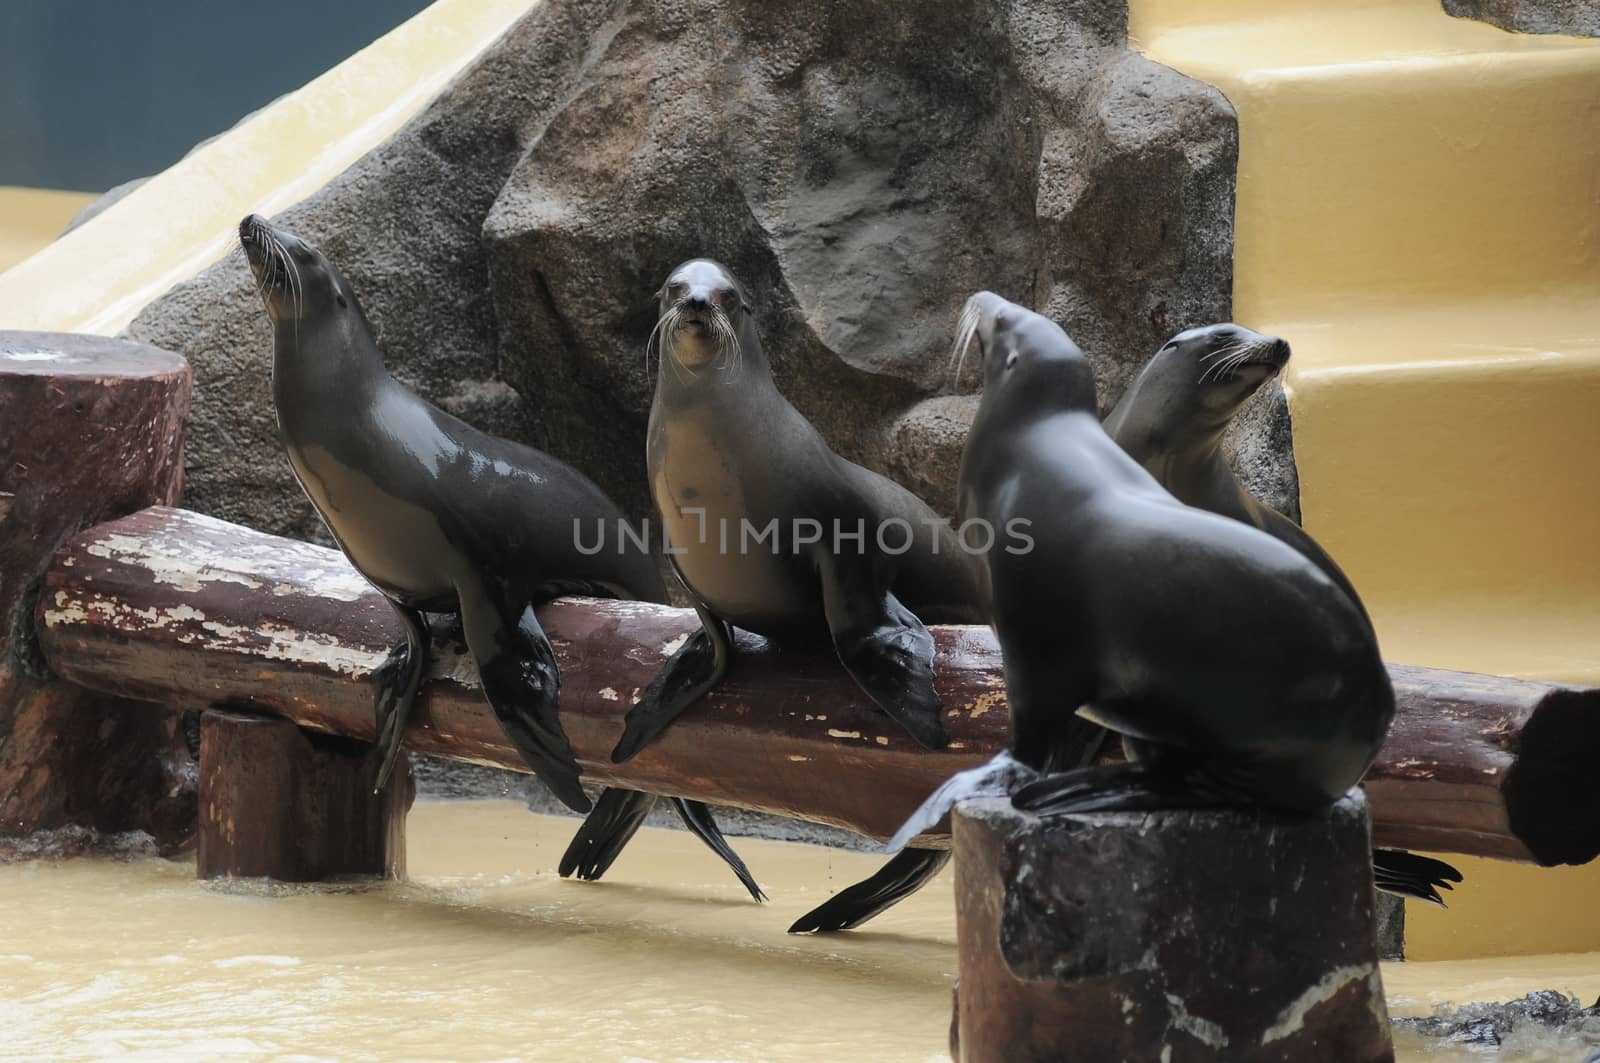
(902, 876)
(523, 683)
(884, 647)
(1409, 875)
(697, 817)
(395, 683)
(615, 820)
(688, 675)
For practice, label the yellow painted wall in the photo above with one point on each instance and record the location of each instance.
(1419, 215)
(32, 217)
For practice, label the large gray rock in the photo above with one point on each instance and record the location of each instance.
(864, 167)
(1576, 17)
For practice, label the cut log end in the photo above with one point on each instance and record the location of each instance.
(1186, 935)
(1552, 799)
(75, 354)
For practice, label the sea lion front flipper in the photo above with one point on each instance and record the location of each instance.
(884, 647)
(688, 675)
(523, 683)
(616, 818)
(395, 683)
(697, 817)
(1409, 875)
(902, 876)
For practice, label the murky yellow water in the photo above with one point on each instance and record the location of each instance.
(486, 955)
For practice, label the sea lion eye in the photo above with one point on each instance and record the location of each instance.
(1011, 359)
(675, 289)
(728, 297)
(340, 296)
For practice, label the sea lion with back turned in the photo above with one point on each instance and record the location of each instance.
(775, 533)
(440, 517)
(1171, 420)
(1236, 670)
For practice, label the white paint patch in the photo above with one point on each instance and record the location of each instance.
(32, 356)
(1205, 1031)
(609, 694)
(669, 648)
(882, 741)
(184, 573)
(797, 758)
(835, 733)
(1292, 1019)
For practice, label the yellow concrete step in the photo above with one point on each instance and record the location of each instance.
(1390, 149)
(1419, 214)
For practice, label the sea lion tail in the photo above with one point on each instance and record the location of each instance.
(697, 817)
(902, 876)
(605, 832)
(1410, 875)
(999, 777)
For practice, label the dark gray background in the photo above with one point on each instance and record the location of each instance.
(96, 92)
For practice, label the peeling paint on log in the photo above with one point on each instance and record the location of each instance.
(159, 606)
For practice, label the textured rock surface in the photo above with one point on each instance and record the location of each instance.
(863, 167)
(1577, 17)
(1534, 1025)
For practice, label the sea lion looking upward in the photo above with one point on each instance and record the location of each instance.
(441, 517)
(844, 553)
(1171, 420)
(1237, 671)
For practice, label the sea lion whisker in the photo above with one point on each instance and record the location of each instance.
(654, 338)
(966, 328)
(1216, 369)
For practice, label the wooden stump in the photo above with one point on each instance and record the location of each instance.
(282, 803)
(90, 429)
(1171, 936)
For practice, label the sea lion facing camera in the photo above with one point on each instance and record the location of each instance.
(774, 532)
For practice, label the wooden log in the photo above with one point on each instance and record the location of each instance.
(172, 606)
(1180, 936)
(90, 429)
(279, 802)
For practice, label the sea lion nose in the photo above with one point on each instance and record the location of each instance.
(697, 300)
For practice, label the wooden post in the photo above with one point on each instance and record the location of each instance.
(90, 429)
(1178, 936)
(279, 802)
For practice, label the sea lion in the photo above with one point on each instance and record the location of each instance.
(441, 518)
(1171, 421)
(774, 532)
(1236, 670)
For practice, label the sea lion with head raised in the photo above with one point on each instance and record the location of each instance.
(1236, 670)
(1171, 420)
(444, 518)
(728, 455)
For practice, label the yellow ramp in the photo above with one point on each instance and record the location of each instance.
(1419, 215)
(98, 277)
